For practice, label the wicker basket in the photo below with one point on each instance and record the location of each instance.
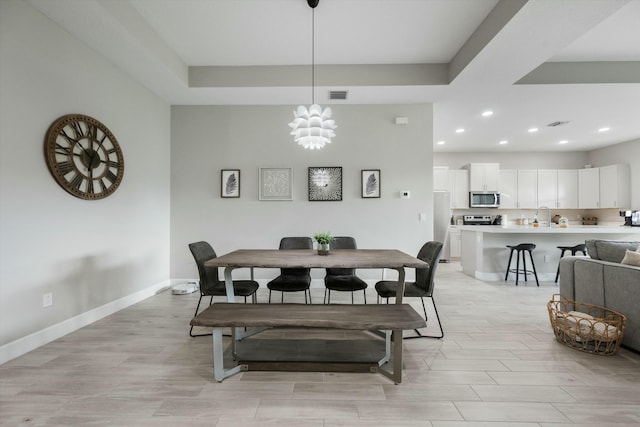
(586, 327)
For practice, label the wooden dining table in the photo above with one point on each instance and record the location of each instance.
(308, 258)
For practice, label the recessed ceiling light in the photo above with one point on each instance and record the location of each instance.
(564, 141)
(459, 130)
(487, 113)
(503, 142)
(533, 130)
(441, 142)
(604, 129)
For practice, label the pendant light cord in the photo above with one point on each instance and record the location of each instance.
(313, 55)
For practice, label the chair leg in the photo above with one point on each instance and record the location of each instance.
(518, 267)
(352, 298)
(364, 293)
(506, 276)
(324, 300)
(535, 273)
(425, 318)
(269, 296)
(305, 297)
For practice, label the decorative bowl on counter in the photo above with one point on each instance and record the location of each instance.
(590, 221)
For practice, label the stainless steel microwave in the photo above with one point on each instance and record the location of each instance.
(484, 199)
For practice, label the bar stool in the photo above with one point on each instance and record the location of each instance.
(521, 249)
(574, 249)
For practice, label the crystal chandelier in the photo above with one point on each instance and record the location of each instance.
(312, 127)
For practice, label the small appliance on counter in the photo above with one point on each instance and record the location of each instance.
(497, 220)
(476, 220)
(631, 218)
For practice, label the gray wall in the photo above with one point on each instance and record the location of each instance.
(87, 253)
(206, 139)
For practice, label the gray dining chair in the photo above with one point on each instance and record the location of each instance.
(423, 286)
(293, 279)
(210, 283)
(343, 279)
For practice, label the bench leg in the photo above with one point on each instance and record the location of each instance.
(218, 358)
(396, 374)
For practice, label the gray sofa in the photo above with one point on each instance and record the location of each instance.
(602, 280)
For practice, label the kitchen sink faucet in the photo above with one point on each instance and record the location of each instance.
(548, 214)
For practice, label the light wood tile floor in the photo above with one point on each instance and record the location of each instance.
(498, 365)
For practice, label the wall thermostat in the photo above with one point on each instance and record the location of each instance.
(405, 194)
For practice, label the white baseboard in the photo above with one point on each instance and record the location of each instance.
(26, 344)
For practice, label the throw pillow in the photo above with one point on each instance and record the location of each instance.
(631, 258)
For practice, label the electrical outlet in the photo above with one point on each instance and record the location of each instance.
(47, 299)
(422, 216)
(547, 258)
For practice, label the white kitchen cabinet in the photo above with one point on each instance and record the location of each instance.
(567, 189)
(589, 188)
(483, 176)
(527, 188)
(459, 188)
(454, 242)
(508, 187)
(440, 178)
(615, 186)
(548, 188)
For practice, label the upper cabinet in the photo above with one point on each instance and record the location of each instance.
(527, 188)
(567, 189)
(508, 187)
(548, 188)
(483, 176)
(589, 188)
(615, 186)
(459, 188)
(456, 182)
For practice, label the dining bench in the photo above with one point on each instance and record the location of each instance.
(393, 319)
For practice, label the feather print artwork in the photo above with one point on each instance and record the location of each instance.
(231, 185)
(372, 184)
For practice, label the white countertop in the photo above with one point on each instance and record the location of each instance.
(575, 229)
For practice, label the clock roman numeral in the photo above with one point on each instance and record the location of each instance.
(67, 137)
(90, 189)
(77, 129)
(111, 177)
(62, 149)
(77, 182)
(113, 164)
(102, 186)
(64, 167)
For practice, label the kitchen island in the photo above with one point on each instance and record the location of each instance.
(484, 253)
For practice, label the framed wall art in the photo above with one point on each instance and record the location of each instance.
(325, 184)
(370, 183)
(230, 183)
(276, 184)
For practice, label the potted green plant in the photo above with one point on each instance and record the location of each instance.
(323, 239)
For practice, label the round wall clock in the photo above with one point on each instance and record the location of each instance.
(84, 157)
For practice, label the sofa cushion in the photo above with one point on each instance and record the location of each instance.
(609, 250)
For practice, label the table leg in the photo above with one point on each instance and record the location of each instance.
(219, 372)
(400, 289)
(396, 373)
(228, 283)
